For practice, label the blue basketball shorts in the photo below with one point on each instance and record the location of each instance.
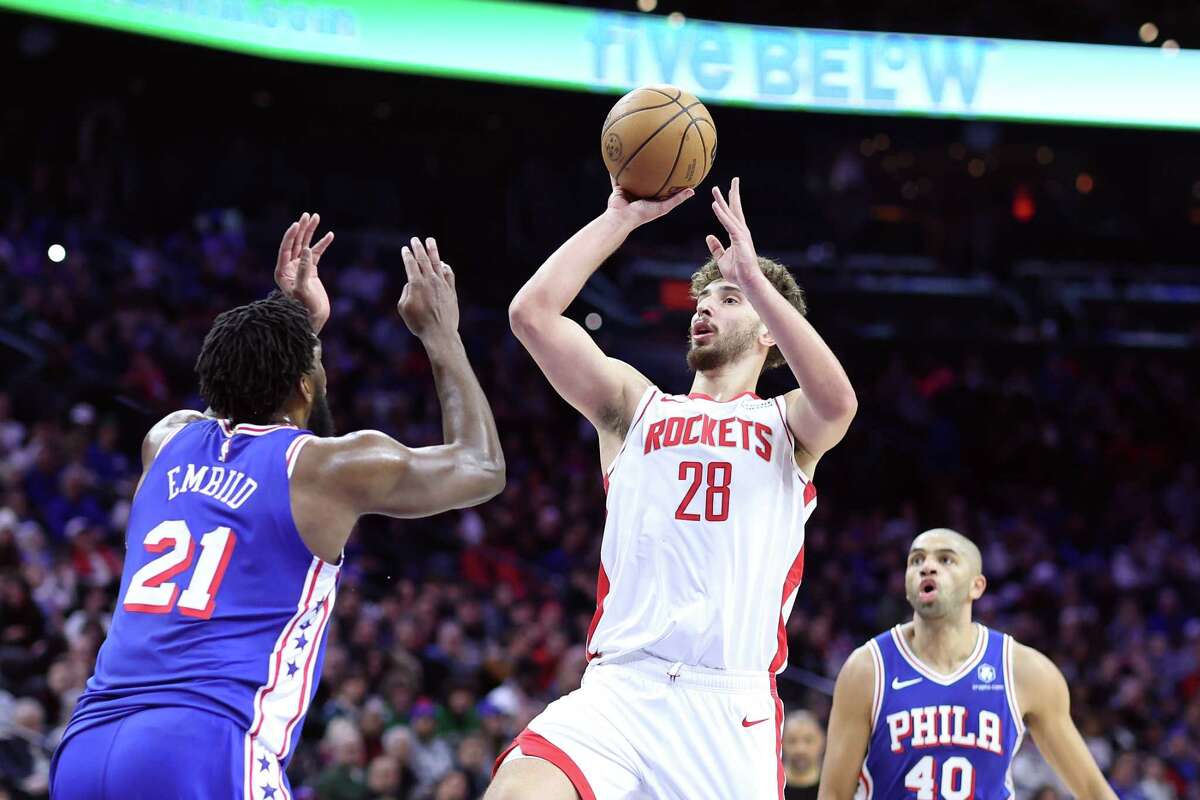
(163, 754)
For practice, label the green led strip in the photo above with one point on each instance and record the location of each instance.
(601, 51)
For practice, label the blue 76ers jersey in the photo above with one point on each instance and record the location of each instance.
(942, 737)
(222, 607)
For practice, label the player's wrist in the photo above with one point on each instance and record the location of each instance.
(622, 220)
(441, 341)
(755, 284)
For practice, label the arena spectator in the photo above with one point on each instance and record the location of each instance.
(803, 750)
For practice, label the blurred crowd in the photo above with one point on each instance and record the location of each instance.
(1076, 472)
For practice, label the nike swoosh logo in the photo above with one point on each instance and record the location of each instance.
(746, 723)
(899, 684)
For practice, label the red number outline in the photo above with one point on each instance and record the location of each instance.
(718, 489)
(685, 467)
(168, 542)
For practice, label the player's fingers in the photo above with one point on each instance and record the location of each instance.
(735, 199)
(714, 246)
(313, 221)
(448, 274)
(285, 248)
(676, 199)
(719, 198)
(726, 218)
(320, 247)
(435, 258)
(422, 257)
(298, 243)
(411, 270)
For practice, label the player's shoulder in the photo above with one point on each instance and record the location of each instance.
(1040, 684)
(1032, 667)
(859, 668)
(326, 456)
(163, 430)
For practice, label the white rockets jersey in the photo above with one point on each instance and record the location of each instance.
(703, 546)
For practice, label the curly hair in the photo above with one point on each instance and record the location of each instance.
(254, 356)
(779, 276)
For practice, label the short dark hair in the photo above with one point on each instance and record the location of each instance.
(254, 356)
(779, 276)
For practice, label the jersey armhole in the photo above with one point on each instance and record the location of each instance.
(878, 684)
(781, 407)
(1010, 684)
(643, 406)
(167, 439)
(292, 455)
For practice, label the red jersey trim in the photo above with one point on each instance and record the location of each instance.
(781, 776)
(251, 430)
(790, 584)
(607, 475)
(1010, 684)
(602, 586)
(878, 684)
(809, 487)
(537, 746)
(702, 396)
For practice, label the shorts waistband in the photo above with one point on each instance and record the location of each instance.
(662, 671)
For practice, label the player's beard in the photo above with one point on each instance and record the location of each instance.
(724, 349)
(320, 418)
(947, 600)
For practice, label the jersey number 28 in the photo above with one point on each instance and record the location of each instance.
(716, 497)
(151, 589)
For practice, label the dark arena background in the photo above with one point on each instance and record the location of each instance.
(1016, 300)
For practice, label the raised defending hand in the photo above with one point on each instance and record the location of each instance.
(303, 282)
(738, 262)
(429, 303)
(638, 212)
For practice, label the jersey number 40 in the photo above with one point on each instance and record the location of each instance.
(957, 779)
(151, 589)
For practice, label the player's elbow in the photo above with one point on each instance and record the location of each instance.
(520, 314)
(524, 316)
(481, 478)
(837, 406)
(845, 404)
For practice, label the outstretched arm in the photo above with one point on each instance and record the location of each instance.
(820, 411)
(369, 472)
(1046, 705)
(603, 389)
(849, 727)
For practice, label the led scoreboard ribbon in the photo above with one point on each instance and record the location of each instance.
(751, 65)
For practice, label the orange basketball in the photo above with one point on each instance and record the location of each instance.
(658, 140)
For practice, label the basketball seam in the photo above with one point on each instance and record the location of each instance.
(674, 99)
(707, 165)
(608, 127)
(703, 147)
(678, 153)
(633, 155)
(703, 144)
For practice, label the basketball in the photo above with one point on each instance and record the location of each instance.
(657, 140)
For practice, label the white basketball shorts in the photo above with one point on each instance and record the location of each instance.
(647, 728)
